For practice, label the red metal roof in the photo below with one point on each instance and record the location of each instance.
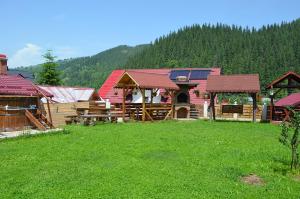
(17, 85)
(2, 56)
(150, 80)
(115, 95)
(291, 100)
(233, 83)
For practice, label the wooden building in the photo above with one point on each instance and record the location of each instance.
(290, 82)
(20, 105)
(188, 100)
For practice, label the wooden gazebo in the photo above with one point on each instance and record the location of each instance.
(146, 81)
(289, 81)
(248, 83)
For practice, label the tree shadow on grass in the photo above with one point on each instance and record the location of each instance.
(281, 166)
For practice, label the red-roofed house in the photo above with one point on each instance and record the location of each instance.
(107, 90)
(19, 101)
(190, 84)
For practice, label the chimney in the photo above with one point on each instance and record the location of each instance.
(3, 64)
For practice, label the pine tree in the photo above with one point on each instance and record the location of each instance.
(49, 74)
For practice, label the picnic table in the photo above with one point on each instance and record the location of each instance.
(73, 119)
(90, 119)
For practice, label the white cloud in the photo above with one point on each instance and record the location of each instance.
(31, 54)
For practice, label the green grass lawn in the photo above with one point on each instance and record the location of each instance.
(197, 159)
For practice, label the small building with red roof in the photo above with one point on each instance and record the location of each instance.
(197, 95)
(20, 106)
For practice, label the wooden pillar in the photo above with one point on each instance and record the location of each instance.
(143, 105)
(49, 111)
(123, 104)
(254, 107)
(271, 108)
(172, 93)
(212, 105)
(272, 104)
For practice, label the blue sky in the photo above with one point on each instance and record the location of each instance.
(73, 28)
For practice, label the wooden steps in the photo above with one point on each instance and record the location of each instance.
(35, 121)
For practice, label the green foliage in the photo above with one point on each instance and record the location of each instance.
(270, 51)
(49, 75)
(290, 137)
(171, 159)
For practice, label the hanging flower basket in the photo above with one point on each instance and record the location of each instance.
(197, 93)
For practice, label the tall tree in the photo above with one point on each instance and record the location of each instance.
(49, 74)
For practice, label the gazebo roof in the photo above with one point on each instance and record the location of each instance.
(248, 83)
(145, 80)
(289, 75)
(291, 100)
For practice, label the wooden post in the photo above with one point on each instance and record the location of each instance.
(271, 108)
(212, 105)
(172, 104)
(143, 105)
(254, 106)
(49, 111)
(123, 104)
(272, 104)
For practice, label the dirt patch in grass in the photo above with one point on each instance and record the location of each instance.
(297, 178)
(253, 179)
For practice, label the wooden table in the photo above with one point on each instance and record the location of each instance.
(73, 118)
(90, 119)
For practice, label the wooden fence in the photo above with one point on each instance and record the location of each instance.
(59, 111)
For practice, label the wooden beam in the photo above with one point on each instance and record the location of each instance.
(172, 94)
(271, 106)
(212, 105)
(143, 105)
(254, 107)
(169, 114)
(123, 104)
(49, 111)
(149, 115)
(287, 86)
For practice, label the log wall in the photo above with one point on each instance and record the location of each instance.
(15, 120)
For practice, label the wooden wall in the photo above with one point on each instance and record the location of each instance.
(15, 120)
(60, 110)
(247, 112)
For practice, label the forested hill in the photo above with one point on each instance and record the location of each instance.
(270, 51)
(91, 71)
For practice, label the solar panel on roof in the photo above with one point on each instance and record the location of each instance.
(176, 73)
(199, 74)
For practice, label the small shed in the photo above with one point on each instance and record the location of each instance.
(242, 83)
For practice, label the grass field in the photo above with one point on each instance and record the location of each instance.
(197, 159)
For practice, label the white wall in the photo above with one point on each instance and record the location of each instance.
(137, 98)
